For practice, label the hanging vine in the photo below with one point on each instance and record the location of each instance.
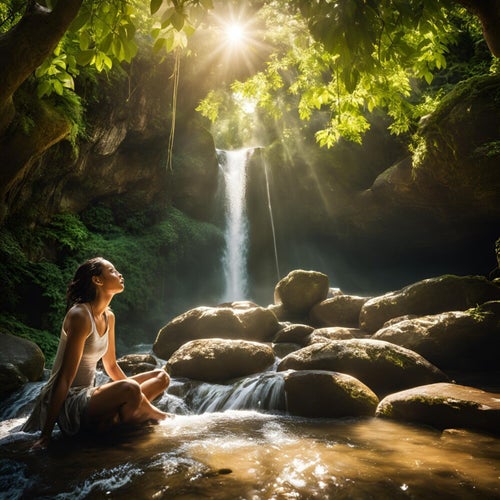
(175, 86)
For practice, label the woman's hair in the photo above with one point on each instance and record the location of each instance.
(81, 288)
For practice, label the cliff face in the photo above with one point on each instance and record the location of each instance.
(124, 155)
(359, 213)
(377, 215)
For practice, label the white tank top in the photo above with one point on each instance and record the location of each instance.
(94, 349)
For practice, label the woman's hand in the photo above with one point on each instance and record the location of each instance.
(41, 443)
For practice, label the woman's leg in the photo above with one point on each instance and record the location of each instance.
(121, 401)
(153, 383)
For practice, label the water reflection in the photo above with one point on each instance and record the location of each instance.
(247, 455)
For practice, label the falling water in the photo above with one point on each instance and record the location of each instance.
(236, 231)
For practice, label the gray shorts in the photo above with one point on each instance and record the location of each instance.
(73, 415)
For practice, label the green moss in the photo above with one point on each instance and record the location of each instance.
(166, 258)
(488, 150)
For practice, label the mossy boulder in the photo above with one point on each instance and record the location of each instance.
(341, 310)
(430, 296)
(462, 340)
(335, 395)
(333, 333)
(444, 405)
(247, 323)
(217, 360)
(382, 366)
(295, 333)
(132, 364)
(300, 290)
(21, 361)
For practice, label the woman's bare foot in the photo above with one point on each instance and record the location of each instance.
(147, 412)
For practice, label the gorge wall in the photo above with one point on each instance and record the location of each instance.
(373, 217)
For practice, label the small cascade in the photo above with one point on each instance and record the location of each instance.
(233, 165)
(264, 392)
(20, 402)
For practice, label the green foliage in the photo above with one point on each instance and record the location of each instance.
(158, 261)
(13, 268)
(67, 230)
(347, 59)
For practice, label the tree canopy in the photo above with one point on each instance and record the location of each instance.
(343, 57)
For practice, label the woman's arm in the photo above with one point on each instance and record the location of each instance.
(109, 359)
(77, 326)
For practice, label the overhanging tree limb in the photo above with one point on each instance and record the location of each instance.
(27, 45)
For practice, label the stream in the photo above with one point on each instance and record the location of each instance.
(233, 442)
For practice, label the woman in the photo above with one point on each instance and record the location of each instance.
(88, 334)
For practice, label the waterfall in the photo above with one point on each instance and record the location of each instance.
(233, 166)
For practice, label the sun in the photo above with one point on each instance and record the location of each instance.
(235, 33)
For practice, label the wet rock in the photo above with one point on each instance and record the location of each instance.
(455, 340)
(382, 366)
(248, 323)
(333, 333)
(279, 311)
(430, 296)
(295, 333)
(282, 349)
(132, 364)
(335, 395)
(444, 405)
(239, 304)
(21, 361)
(216, 360)
(300, 290)
(341, 310)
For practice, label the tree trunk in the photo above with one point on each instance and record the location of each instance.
(27, 45)
(488, 12)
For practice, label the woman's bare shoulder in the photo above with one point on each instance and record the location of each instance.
(110, 313)
(77, 318)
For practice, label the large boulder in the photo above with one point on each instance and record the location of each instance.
(430, 296)
(382, 366)
(456, 339)
(247, 323)
(300, 290)
(217, 360)
(132, 364)
(444, 405)
(333, 333)
(335, 395)
(21, 361)
(295, 333)
(341, 310)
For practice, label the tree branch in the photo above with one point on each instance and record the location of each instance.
(27, 45)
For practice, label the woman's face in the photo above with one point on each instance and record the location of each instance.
(110, 279)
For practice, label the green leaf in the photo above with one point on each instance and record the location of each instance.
(177, 20)
(208, 4)
(58, 87)
(84, 57)
(159, 44)
(44, 88)
(167, 16)
(155, 5)
(106, 43)
(80, 21)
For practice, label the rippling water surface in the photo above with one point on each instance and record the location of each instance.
(251, 455)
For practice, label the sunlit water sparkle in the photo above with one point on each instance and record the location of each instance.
(247, 454)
